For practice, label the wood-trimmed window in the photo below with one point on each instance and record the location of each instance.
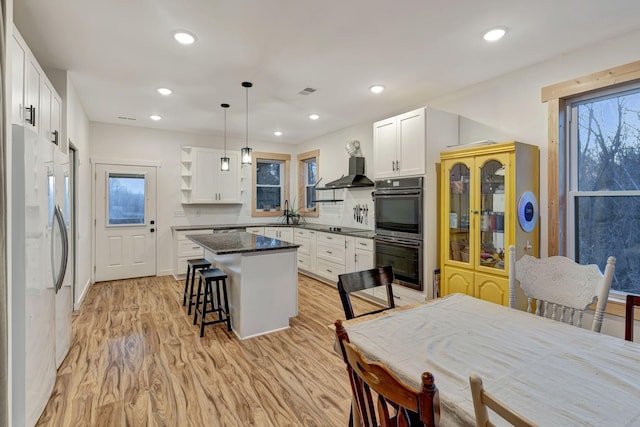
(308, 168)
(556, 97)
(270, 173)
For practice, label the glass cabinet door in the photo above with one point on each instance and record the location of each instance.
(491, 252)
(459, 211)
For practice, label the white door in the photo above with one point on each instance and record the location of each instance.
(125, 221)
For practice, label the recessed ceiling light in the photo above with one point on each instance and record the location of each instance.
(376, 88)
(184, 37)
(277, 133)
(495, 34)
(164, 91)
(155, 117)
(314, 116)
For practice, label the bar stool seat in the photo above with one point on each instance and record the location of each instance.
(208, 302)
(192, 266)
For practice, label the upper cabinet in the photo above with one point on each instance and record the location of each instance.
(202, 181)
(35, 103)
(399, 143)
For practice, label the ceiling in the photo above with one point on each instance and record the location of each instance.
(118, 52)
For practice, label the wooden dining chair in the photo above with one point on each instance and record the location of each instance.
(361, 280)
(483, 400)
(561, 287)
(396, 403)
(632, 302)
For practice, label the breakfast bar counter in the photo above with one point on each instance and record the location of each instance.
(262, 279)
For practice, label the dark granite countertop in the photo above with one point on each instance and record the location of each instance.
(240, 242)
(347, 231)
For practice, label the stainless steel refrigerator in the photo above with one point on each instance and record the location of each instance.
(41, 301)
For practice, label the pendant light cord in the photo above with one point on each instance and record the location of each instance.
(247, 116)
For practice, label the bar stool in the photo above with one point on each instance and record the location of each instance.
(210, 303)
(192, 266)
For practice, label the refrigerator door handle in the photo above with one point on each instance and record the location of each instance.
(65, 248)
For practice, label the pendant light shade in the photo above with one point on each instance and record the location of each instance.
(245, 153)
(224, 161)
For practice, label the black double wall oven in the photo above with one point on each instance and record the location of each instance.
(399, 229)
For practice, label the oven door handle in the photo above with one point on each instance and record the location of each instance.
(407, 192)
(399, 242)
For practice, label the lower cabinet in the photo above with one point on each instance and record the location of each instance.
(255, 230)
(281, 233)
(331, 256)
(307, 260)
(184, 249)
(484, 286)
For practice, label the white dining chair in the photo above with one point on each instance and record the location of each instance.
(560, 287)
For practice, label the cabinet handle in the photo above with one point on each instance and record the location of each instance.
(397, 165)
(328, 271)
(195, 247)
(55, 137)
(329, 238)
(362, 244)
(393, 165)
(32, 115)
(329, 252)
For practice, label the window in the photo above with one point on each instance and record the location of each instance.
(271, 183)
(126, 199)
(603, 179)
(308, 168)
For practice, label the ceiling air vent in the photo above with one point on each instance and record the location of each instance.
(126, 118)
(307, 91)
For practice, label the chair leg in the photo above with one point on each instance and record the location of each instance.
(195, 312)
(206, 299)
(191, 295)
(226, 304)
(186, 286)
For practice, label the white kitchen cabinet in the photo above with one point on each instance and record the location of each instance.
(34, 101)
(184, 249)
(202, 181)
(307, 259)
(399, 142)
(331, 256)
(281, 233)
(255, 230)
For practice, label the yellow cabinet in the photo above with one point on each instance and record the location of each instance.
(488, 202)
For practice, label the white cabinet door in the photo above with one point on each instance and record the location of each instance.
(205, 176)
(229, 182)
(18, 58)
(56, 122)
(364, 260)
(411, 143)
(350, 254)
(384, 148)
(33, 79)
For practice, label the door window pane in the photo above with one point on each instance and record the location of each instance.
(492, 215)
(126, 199)
(459, 210)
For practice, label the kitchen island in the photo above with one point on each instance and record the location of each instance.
(262, 279)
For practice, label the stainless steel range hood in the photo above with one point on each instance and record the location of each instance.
(356, 177)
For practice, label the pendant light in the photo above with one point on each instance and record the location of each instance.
(224, 161)
(246, 151)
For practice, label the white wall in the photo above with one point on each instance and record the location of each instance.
(334, 162)
(113, 142)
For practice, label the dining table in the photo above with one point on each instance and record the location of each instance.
(550, 372)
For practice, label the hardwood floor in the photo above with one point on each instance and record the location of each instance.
(137, 360)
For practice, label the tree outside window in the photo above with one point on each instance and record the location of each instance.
(604, 183)
(308, 168)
